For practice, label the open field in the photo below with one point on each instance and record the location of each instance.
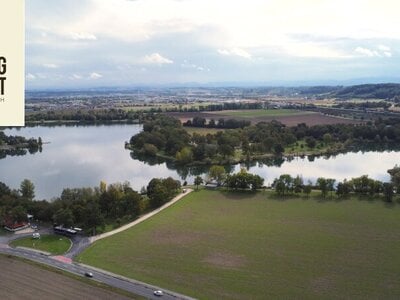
(220, 245)
(53, 244)
(21, 280)
(202, 131)
(255, 116)
(256, 113)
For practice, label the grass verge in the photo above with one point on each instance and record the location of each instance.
(53, 244)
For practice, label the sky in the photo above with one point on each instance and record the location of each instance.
(127, 43)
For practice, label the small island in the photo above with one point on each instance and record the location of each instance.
(18, 145)
(165, 138)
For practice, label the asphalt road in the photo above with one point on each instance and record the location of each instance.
(79, 244)
(133, 286)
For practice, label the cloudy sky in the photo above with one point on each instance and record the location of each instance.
(88, 43)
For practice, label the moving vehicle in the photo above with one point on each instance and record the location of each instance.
(158, 293)
(89, 274)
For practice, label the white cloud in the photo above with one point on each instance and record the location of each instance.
(84, 36)
(50, 66)
(383, 48)
(387, 53)
(95, 75)
(235, 52)
(187, 65)
(366, 52)
(381, 51)
(76, 76)
(156, 58)
(30, 76)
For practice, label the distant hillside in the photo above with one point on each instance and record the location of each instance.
(369, 91)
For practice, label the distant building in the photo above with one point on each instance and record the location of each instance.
(15, 226)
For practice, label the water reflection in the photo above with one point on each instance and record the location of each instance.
(78, 156)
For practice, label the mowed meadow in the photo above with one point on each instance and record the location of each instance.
(222, 245)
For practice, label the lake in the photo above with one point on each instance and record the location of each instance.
(82, 156)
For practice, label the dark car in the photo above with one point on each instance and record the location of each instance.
(89, 274)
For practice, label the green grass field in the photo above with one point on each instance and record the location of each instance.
(202, 131)
(220, 245)
(53, 244)
(257, 113)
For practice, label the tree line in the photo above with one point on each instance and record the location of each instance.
(89, 208)
(361, 186)
(287, 185)
(220, 123)
(86, 115)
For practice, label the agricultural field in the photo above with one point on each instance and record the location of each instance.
(256, 113)
(223, 245)
(285, 116)
(21, 280)
(51, 243)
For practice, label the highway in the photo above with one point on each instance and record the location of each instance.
(114, 280)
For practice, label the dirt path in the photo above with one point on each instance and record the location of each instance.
(141, 219)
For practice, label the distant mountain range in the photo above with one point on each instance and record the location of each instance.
(364, 91)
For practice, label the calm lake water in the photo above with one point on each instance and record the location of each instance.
(82, 156)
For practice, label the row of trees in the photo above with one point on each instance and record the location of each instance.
(363, 185)
(241, 180)
(89, 208)
(221, 123)
(86, 115)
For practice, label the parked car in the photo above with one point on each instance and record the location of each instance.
(158, 293)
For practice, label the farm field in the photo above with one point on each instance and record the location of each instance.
(252, 113)
(222, 245)
(285, 116)
(21, 280)
(53, 244)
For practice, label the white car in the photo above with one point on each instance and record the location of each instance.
(158, 293)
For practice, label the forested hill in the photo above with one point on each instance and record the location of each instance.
(389, 91)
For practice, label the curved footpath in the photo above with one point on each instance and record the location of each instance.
(79, 244)
(141, 219)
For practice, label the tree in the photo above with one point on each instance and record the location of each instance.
(27, 189)
(388, 191)
(330, 183)
(307, 188)
(283, 185)
(4, 189)
(197, 181)
(18, 214)
(217, 173)
(343, 189)
(297, 184)
(64, 217)
(323, 186)
(395, 177)
(184, 156)
(93, 216)
(311, 142)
